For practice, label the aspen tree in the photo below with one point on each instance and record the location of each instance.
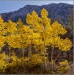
(50, 33)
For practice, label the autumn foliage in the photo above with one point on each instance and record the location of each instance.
(34, 40)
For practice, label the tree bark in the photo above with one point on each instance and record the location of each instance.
(30, 50)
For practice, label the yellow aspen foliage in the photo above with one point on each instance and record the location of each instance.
(3, 56)
(26, 29)
(35, 17)
(13, 26)
(65, 44)
(26, 59)
(29, 19)
(49, 32)
(63, 66)
(14, 41)
(1, 19)
(3, 63)
(20, 22)
(58, 28)
(63, 63)
(36, 59)
(39, 33)
(36, 40)
(6, 28)
(2, 41)
(14, 58)
(33, 21)
(34, 14)
(20, 25)
(44, 13)
(20, 40)
(15, 61)
(45, 20)
(2, 25)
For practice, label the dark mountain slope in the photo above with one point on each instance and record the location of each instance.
(56, 11)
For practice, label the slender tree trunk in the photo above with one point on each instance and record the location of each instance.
(52, 58)
(52, 54)
(57, 56)
(30, 50)
(22, 60)
(45, 58)
(23, 52)
(9, 51)
(9, 54)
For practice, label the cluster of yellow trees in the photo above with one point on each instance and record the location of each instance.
(38, 33)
